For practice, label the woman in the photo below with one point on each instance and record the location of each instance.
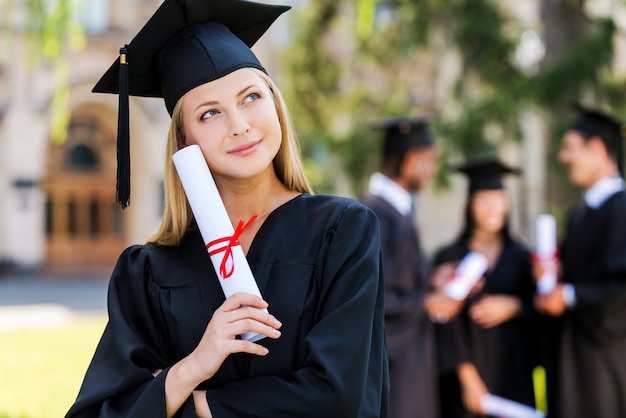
(486, 348)
(171, 346)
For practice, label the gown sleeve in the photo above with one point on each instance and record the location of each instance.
(345, 360)
(119, 381)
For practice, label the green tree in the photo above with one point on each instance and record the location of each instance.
(51, 30)
(355, 61)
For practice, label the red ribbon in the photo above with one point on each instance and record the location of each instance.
(535, 259)
(228, 248)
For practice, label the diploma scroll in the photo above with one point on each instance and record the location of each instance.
(215, 227)
(506, 408)
(466, 275)
(546, 251)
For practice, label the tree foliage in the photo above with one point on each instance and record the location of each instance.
(356, 61)
(52, 31)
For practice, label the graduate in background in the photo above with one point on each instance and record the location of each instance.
(485, 349)
(171, 346)
(408, 164)
(587, 368)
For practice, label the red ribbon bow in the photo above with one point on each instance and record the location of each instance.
(228, 248)
(535, 259)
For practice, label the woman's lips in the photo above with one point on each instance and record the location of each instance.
(245, 149)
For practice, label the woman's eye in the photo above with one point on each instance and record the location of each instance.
(251, 97)
(209, 114)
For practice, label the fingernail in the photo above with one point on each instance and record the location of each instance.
(277, 323)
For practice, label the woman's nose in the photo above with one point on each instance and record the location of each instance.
(238, 124)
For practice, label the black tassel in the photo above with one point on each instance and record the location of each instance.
(123, 136)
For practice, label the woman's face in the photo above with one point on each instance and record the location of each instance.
(490, 209)
(234, 121)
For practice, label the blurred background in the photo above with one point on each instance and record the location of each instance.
(501, 76)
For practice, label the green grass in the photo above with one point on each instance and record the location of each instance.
(41, 370)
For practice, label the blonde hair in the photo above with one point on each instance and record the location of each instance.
(177, 214)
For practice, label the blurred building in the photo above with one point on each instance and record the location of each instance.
(58, 212)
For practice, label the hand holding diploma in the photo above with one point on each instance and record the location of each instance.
(466, 276)
(546, 252)
(217, 232)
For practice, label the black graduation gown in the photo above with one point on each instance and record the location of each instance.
(410, 335)
(316, 260)
(588, 375)
(504, 355)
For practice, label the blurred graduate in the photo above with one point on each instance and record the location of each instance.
(488, 347)
(587, 365)
(408, 164)
(172, 345)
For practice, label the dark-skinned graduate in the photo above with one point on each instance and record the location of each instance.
(586, 369)
(408, 164)
(172, 345)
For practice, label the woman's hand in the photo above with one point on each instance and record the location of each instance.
(201, 405)
(492, 310)
(240, 313)
(473, 389)
(441, 308)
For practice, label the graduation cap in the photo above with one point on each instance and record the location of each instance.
(592, 122)
(185, 43)
(402, 134)
(486, 174)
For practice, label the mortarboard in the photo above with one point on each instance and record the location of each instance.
(592, 122)
(185, 43)
(402, 134)
(486, 174)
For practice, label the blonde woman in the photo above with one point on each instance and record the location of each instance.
(171, 347)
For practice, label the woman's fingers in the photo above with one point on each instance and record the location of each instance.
(238, 300)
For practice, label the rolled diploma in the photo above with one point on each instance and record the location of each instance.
(506, 408)
(466, 275)
(546, 250)
(214, 223)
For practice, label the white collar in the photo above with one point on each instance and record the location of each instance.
(390, 191)
(604, 188)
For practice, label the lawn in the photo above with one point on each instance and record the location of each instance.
(41, 369)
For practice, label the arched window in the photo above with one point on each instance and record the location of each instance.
(82, 158)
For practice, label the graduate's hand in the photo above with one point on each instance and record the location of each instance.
(240, 313)
(492, 310)
(201, 404)
(440, 308)
(473, 389)
(541, 267)
(551, 303)
(442, 274)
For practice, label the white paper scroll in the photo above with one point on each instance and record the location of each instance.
(506, 408)
(206, 203)
(546, 251)
(466, 275)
